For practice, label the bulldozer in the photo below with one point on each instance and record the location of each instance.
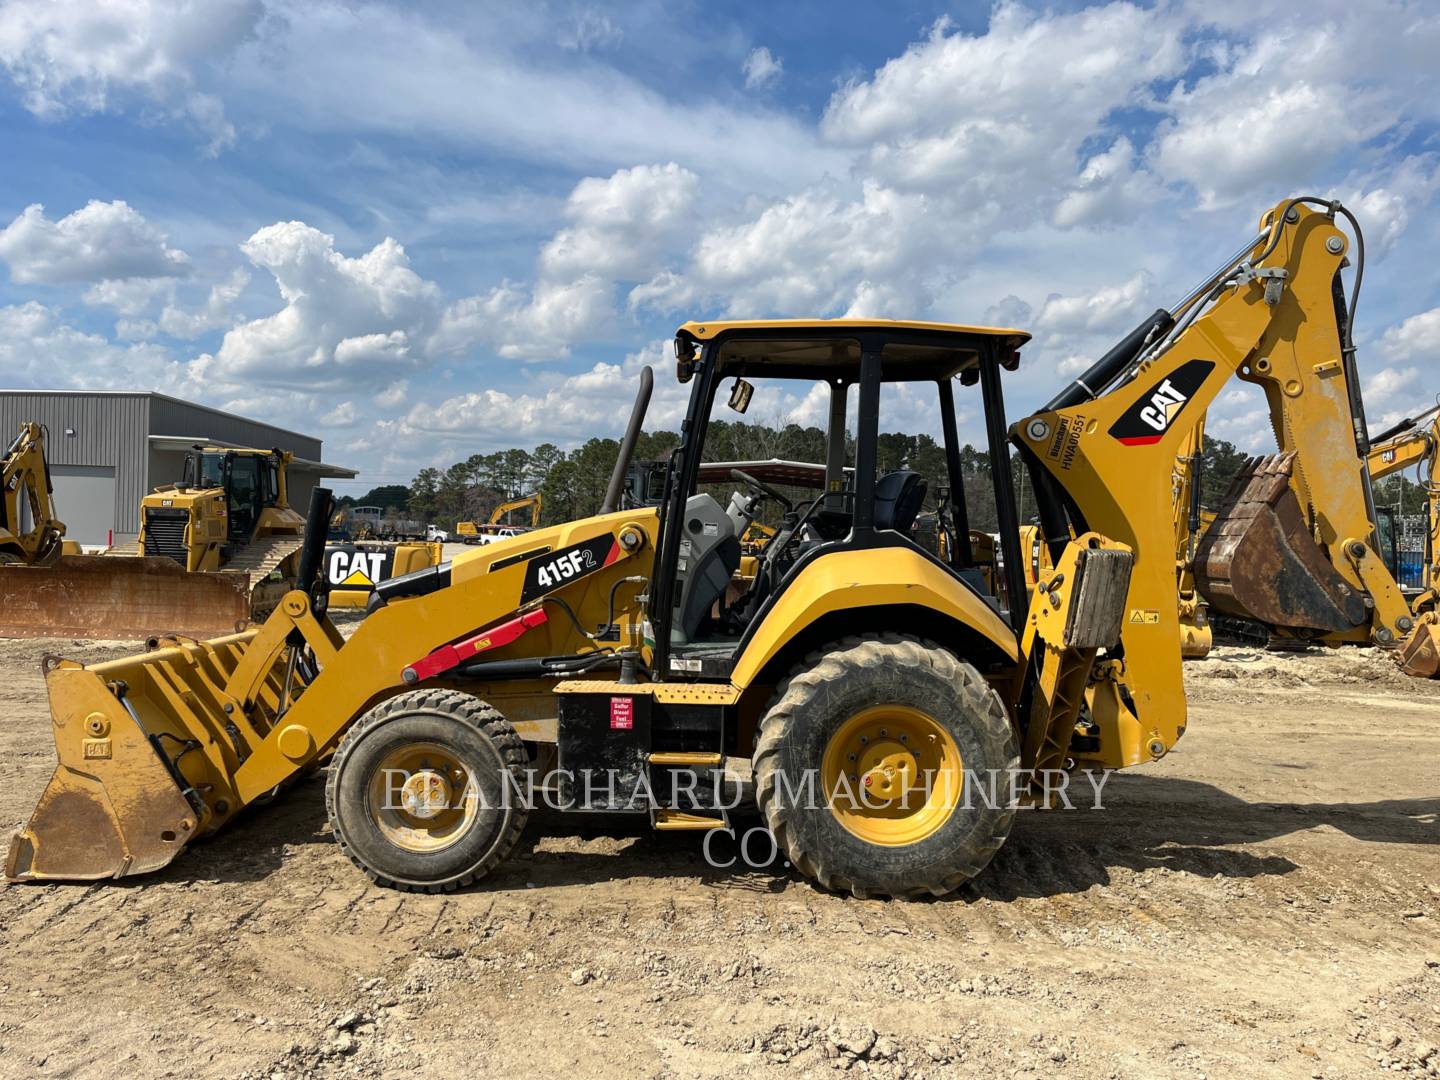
(30, 533)
(216, 550)
(230, 512)
(895, 714)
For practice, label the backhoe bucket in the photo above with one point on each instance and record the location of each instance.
(120, 596)
(1420, 651)
(147, 748)
(1259, 561)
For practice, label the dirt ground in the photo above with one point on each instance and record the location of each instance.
(1262, 902)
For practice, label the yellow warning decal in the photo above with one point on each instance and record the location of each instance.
(357, 580)
(1144, 616)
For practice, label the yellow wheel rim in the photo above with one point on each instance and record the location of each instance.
(892, 774)
(422, 797)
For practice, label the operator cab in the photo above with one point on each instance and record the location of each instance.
(249, 479)
(858, 494)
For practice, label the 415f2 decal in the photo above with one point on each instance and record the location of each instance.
(1156, 411)
(551, 570)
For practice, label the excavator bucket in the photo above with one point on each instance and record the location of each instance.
(137, 741)
(1420, 651)
(120, 596)
(1259, 560)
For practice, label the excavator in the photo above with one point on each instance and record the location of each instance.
(216, 550)
(30, 533)
(894, 712)
(471, 532)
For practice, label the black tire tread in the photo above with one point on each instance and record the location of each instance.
(830, 662)
(460, 706)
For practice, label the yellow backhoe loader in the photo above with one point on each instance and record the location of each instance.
(1416, 442)
(890, 706)
(30, 533)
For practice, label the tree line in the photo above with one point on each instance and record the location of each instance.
(572, 483)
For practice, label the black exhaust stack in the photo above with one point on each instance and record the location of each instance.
(312, 580)
(627, 447)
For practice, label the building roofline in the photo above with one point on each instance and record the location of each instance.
(166, 397)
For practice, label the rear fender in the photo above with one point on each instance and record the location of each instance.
(852, 580)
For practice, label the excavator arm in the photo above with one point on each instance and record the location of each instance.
(29, 531)
(1102, 451)
(533, 503)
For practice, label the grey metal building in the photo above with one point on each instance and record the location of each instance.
(108, 448)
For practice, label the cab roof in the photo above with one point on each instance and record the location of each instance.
(829, 348)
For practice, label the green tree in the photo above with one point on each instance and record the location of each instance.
(424, 492)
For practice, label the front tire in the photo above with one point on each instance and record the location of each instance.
(423, 792)
(888, 729)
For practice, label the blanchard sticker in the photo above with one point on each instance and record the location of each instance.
(1156, 411)
(549, 572)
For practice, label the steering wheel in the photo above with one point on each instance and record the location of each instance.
(763, 489)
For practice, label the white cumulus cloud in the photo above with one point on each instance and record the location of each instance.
(79, 56)
(100, 241)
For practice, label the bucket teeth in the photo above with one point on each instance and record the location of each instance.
(1259, 561)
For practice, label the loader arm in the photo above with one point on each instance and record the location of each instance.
(1104, 453)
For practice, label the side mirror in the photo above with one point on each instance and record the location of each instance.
(740, 395)
(684, 359)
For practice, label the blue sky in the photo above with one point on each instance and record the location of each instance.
(423, 231)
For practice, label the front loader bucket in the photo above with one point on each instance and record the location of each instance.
(1259, 561)
(120, 596)
(148, 747)
(112, 806)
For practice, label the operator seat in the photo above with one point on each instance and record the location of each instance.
(709, 557)
(898, 498)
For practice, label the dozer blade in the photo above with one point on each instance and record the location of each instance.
(120, 596)
(1259, 561)
(113, 806)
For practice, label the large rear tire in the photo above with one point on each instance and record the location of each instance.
(862, 763)
(423, 793)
